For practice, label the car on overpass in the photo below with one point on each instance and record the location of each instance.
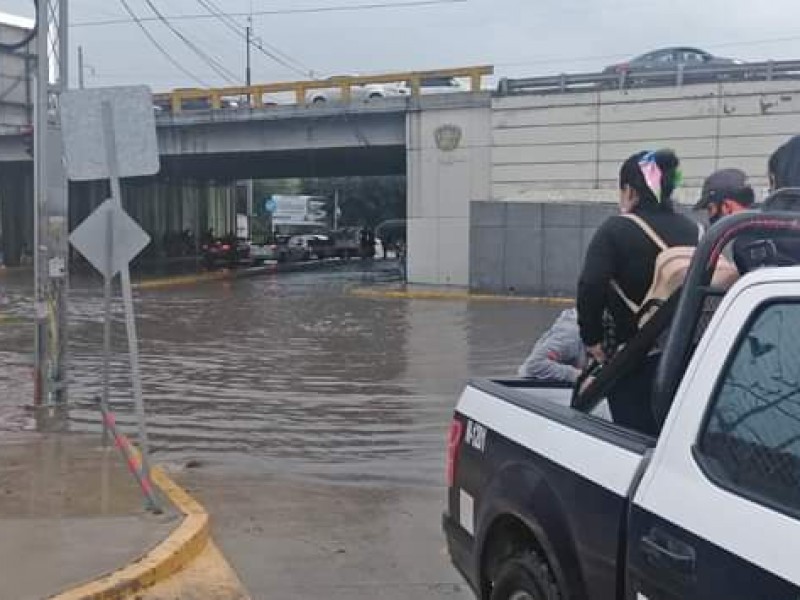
(435, 85)
(164, 106)
(670, 60)
(358, 93)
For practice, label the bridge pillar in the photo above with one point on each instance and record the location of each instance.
(449, 166)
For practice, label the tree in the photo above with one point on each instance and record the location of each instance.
(363, 201)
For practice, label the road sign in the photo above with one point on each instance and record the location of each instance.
(134, 129)
(270, 205)
(89, 238)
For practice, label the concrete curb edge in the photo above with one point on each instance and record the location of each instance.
(455, 295)
(172, 555)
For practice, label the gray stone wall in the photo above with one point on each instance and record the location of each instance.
(531, 248)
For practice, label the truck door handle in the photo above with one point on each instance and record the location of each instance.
(665, 552)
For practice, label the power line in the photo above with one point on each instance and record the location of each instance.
(217, 66)
(275, 54)
(285, 11)
(159, 47)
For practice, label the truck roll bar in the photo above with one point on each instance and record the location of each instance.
(680, 341)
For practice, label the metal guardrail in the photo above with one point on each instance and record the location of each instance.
(300, 89)
(762, 71)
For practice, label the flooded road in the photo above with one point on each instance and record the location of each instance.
(285, 381)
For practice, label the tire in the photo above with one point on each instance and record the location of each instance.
(525, 577)
(319, 100)
(375, 96)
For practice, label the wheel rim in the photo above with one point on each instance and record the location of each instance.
(521, 595)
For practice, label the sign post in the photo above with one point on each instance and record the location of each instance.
(109, 239)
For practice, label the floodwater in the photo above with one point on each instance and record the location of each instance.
(287, 372)
(311, 423)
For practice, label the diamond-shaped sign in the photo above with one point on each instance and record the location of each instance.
(128, 238)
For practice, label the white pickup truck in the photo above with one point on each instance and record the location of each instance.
(548, 501)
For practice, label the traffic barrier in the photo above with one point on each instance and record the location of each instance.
(300, 89)
(757, 71)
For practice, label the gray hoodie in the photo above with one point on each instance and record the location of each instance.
(559, 355)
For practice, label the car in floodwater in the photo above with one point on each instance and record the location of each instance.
(226, 253)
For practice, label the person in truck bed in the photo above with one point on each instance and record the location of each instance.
(623, 253)
(558, 355)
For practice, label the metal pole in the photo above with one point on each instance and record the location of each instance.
(40, 109)
(80, 68)
(336, 209)
(127, 290)
(247, 78)
(63, 45)
(108, 277)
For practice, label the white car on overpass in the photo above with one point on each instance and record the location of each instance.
(358, 93)
(435, 85)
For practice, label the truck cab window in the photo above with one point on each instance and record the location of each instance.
(751, 444)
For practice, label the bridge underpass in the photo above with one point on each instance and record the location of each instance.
(493, 181)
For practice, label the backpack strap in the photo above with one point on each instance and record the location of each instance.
(634, 308)
(656, 239)
(648, 231)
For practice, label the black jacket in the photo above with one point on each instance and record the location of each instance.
(620, 251)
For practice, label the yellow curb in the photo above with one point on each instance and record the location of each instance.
(172, 555)
(152, 284)
(209, 576)
(464, 296)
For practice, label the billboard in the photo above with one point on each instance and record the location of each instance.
(17, 69)
(300, 210)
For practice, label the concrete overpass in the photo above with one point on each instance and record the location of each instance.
(492, 177)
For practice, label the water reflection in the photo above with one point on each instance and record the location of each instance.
(288, 372)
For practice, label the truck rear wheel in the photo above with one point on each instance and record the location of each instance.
(525, 577)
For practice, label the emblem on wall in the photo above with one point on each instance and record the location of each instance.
(448, 137)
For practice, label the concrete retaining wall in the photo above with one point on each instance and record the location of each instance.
(531, 248)
(552, 146)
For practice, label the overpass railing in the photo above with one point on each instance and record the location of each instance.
(215, 98)
(762, 71)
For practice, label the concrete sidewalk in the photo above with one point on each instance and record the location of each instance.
(69, 512)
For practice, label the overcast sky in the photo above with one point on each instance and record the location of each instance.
(520, 37)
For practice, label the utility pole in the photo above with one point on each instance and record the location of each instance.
(248, 82)
(247, 75)
(80, 68)
(50, 211)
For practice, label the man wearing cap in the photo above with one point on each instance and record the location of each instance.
(727, 192)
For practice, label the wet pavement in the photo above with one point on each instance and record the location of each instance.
(314, 421)
(69, 512)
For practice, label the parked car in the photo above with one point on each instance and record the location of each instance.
(343, 243)
(358, 93)
(669, 60)
(260, 254)
(226, 252)
(289, 248)
(549, 501)
(435, 85)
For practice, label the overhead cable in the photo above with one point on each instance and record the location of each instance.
(212, 62)
(282, 11)
(159, 47)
